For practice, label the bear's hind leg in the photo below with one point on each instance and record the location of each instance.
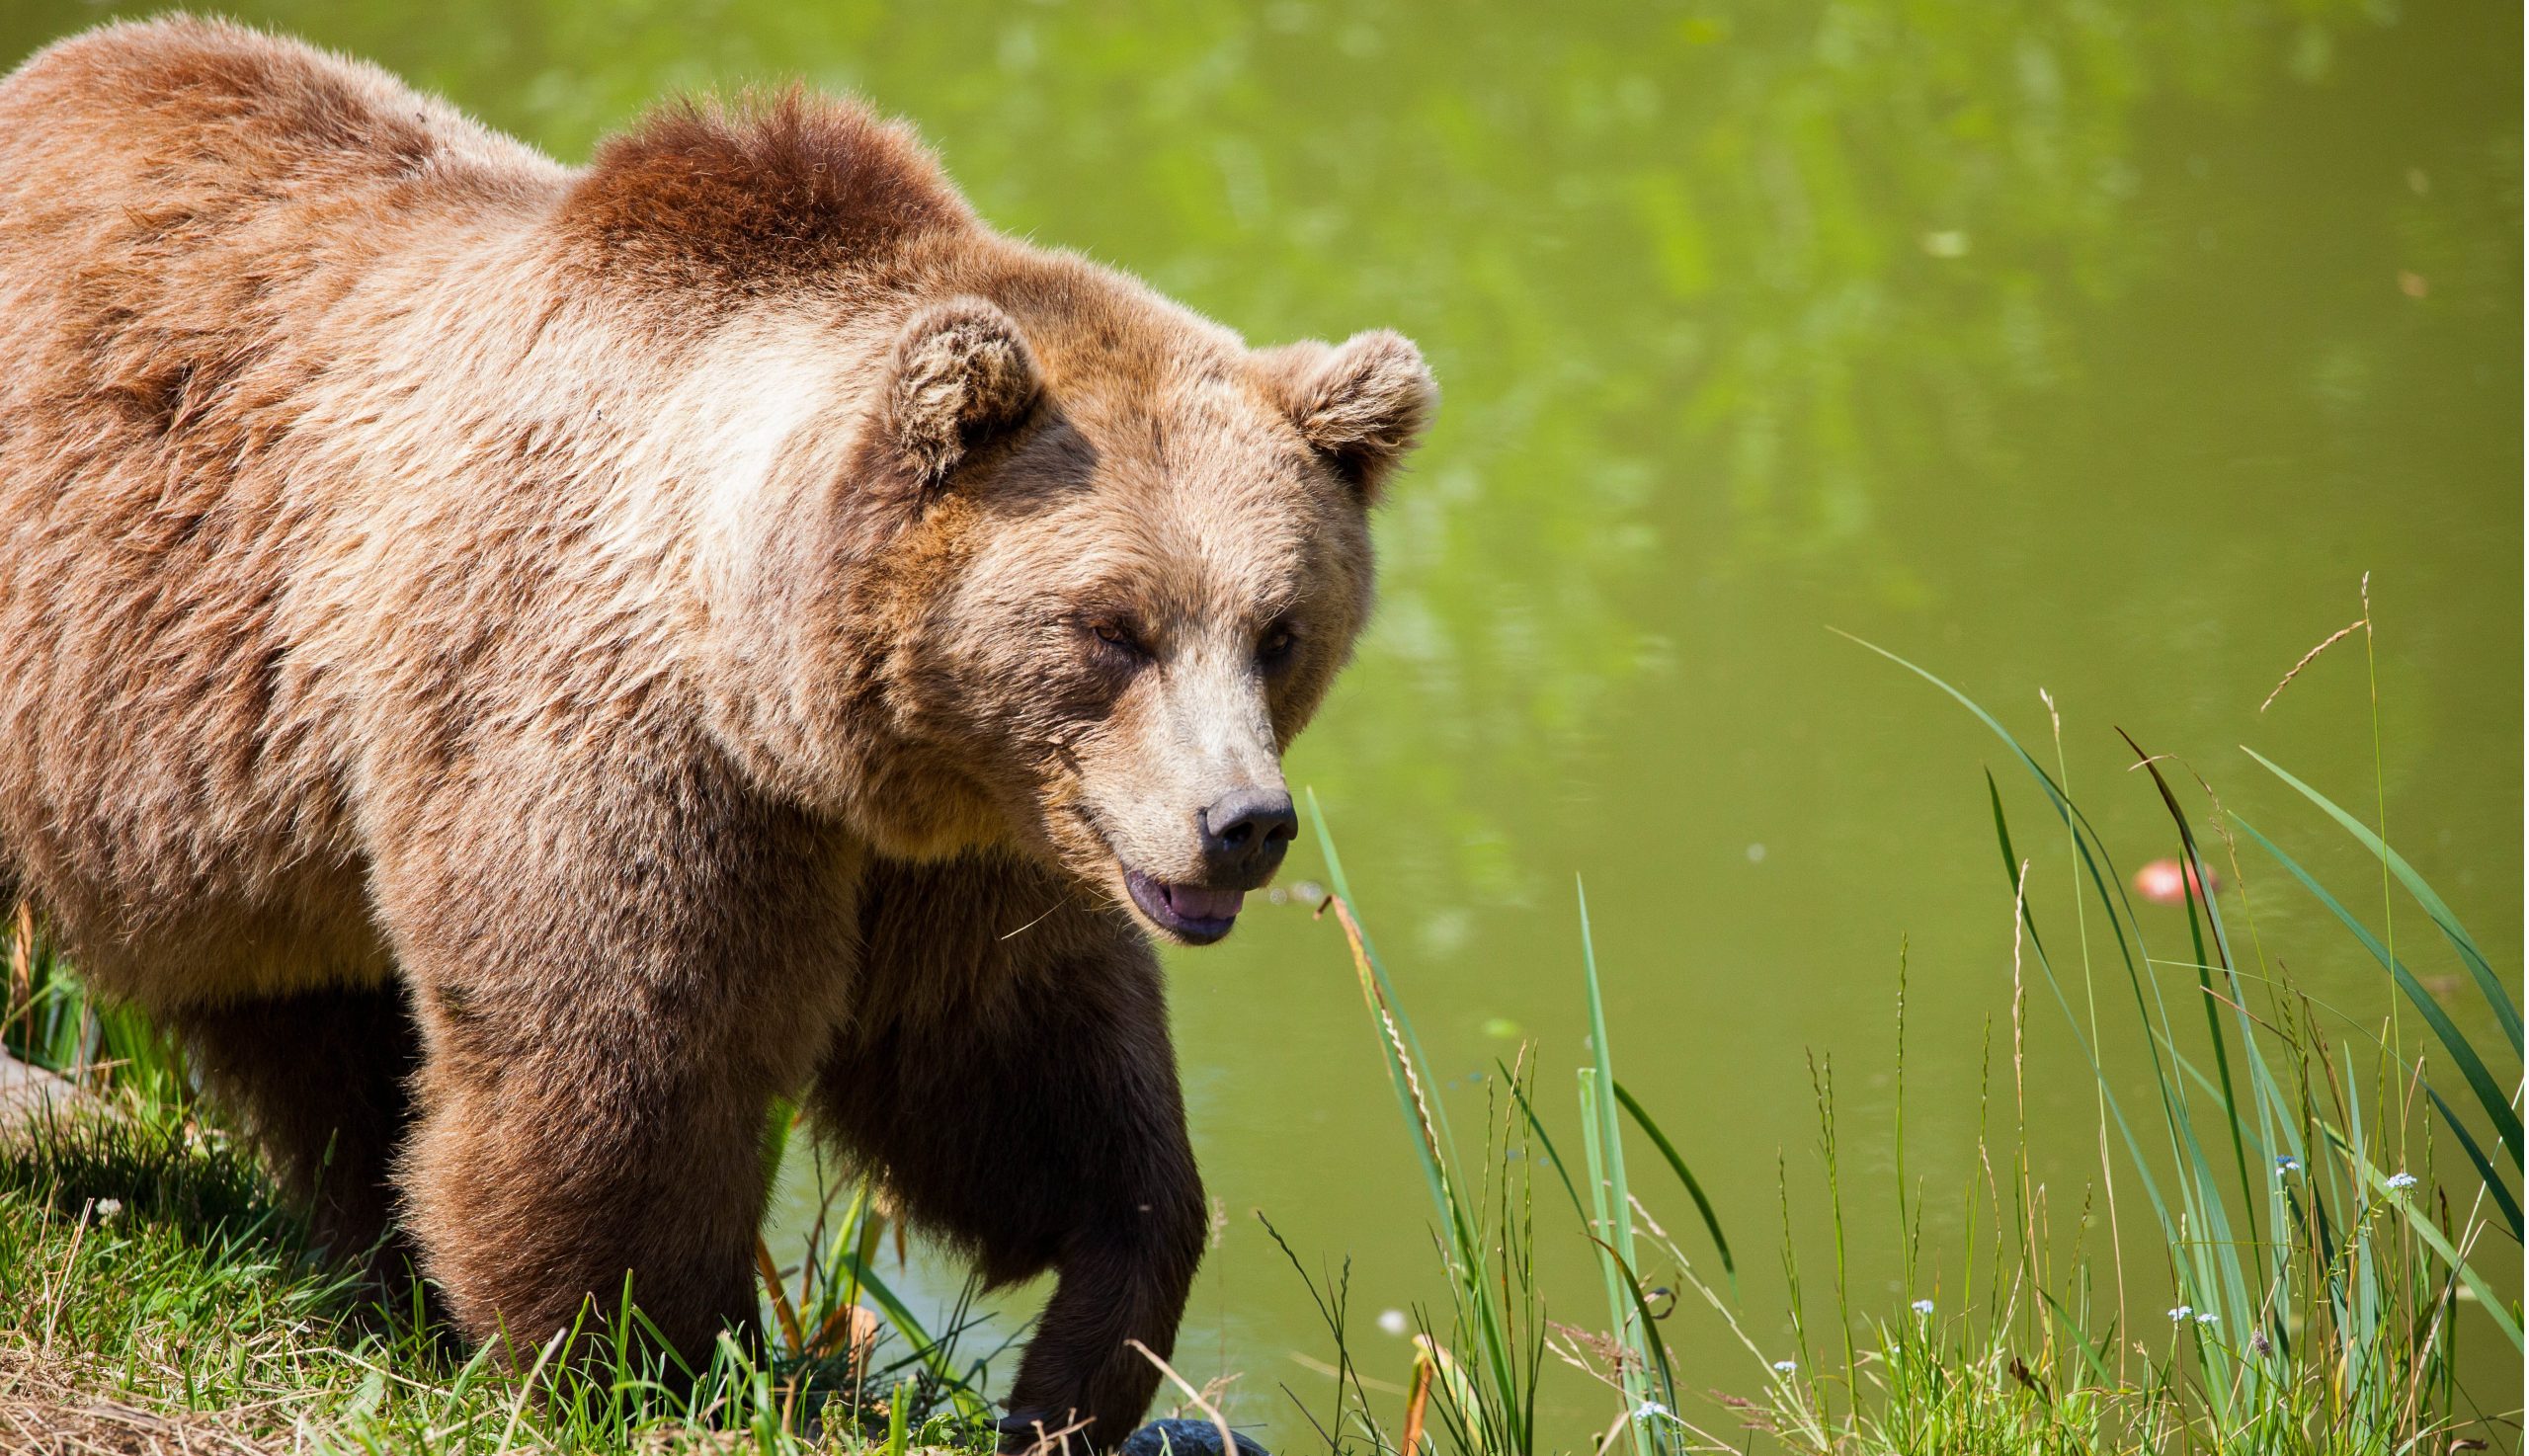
(1008, 1072)
(321, 1081)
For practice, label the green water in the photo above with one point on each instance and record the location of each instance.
(2093, 348)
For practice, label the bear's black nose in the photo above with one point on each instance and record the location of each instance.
(1244, 835)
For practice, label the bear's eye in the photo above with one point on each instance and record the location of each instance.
(1117, 636)
(1275, 648)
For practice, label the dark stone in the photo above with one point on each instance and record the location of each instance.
(1183, 1438)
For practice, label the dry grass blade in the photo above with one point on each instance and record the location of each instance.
(1332, 1372)
(1220, 1423)
(1056, 1440)
(70, 1266)
(1371, 992)
(1416, 1403)
(22, 966)
(853, 1328)
(2312, 656)
(780, 1297)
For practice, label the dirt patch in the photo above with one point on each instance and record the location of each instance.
(59, 1408)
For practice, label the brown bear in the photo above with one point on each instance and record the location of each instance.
(521, 666)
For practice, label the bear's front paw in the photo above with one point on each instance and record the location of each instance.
(1184, 1439)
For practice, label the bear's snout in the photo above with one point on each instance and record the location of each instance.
(1244, 835)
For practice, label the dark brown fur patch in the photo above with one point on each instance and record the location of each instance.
(749, 194)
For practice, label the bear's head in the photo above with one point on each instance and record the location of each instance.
(1102, 562)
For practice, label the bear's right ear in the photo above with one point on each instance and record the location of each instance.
(959, 374)
(1361, 404)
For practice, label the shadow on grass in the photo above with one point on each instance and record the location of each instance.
(200, 1190)
(144, 1257)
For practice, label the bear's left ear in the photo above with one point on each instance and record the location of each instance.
(1362, 403)
(959, 374)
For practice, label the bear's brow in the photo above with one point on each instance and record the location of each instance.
(1151, 602)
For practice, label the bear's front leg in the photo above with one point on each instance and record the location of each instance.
(614, 980)
(1008, 1072)
(556, 1160)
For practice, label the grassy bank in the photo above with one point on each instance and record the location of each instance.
(155, 1298)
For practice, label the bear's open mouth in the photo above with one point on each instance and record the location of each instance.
(1195, 916)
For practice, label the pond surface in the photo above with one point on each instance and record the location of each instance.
(2100, 350)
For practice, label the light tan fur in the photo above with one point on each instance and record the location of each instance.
(508, 655)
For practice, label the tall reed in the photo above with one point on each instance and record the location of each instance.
(2320, 1264)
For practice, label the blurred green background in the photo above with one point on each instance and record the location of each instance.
(2087, 347)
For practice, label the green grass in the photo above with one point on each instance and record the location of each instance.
(2279, 1253)
(145, 1259)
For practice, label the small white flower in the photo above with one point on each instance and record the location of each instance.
(2208, 1318)
(1391, 1321)
(2286, 1165)
(1649, 1409)
(2402, 1180)
(2179, 1315)
(108, 1209)
(1923, 1306)
(1785, 1367)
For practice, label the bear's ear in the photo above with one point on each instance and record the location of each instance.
(1362, 403)
(960, 374)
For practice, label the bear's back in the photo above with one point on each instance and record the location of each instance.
(180, 197)
(182, 203)
(205, 106)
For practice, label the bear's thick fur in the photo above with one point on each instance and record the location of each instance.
(518, 667)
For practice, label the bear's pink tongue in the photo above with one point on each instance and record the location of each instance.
(1194, 904)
